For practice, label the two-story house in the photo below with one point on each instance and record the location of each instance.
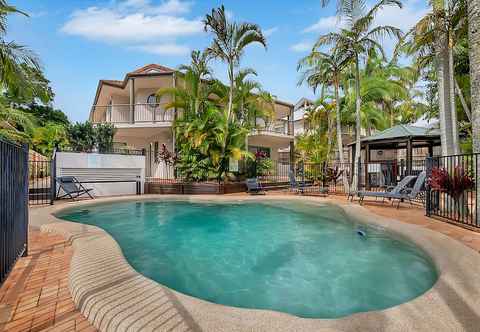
(143, 122)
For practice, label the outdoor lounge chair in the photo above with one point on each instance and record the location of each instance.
(254, 187)
(410, 193)
(388, 192)
(72, 187)
(297, 186)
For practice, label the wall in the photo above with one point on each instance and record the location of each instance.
(103, 167)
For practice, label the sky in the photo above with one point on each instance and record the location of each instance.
(80, 42)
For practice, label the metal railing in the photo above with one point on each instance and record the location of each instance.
(41, 178)
(118, 150)
(131, 113)
(278, 127)
(13, 205)
(452, 192)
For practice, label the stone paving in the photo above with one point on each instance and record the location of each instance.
(35, 296)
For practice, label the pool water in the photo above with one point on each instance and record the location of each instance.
(299, 258)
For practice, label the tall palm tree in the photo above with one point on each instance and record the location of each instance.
(325, 69)
(229, 43)
(433, 40)
(474, 50)
(358, 39)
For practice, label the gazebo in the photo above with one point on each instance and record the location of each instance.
(407, 141)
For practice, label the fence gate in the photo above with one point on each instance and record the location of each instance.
(13, 204)
(41, 181)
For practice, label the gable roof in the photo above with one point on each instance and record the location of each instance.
(152, 68)
(402, 130)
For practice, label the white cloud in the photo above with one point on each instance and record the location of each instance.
(133, 23)
(325, 24)
(404, 18)
(269, 32)
(303, 46)
(164, 49)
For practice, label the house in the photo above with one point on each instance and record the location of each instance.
(143, 122)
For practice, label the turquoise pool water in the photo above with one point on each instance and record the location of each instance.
(302, 259)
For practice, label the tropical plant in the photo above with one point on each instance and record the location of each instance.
(433, 40)
(453, 184)
(205, 145)
(325, 69)
(192, 93)
(48, 137)
(82, 136)
(357, 39)
(474, 52)
(229, 43)
(15, 124)
(104, 133)
(263, 163)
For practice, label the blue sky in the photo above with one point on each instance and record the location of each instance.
(80, 42)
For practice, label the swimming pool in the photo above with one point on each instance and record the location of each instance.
(299, 258)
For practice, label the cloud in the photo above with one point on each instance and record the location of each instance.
(164, 49)
(136, 24)
(269, 32)
(404, 18)
(301, 47)
(325, 24)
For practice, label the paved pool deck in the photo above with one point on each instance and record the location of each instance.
(114, 297)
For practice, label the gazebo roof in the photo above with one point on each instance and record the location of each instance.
(402, 132)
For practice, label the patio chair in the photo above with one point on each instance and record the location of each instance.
(295, 186)
(72, 187)
(392, 190)
(411, 193)
(254, 187)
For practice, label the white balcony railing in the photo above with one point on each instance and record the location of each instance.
(126, 113)
(277, 127)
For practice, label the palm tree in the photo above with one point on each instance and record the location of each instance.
(14, 58)
(358, 39)
(321, 68)
(192, 94)
(433, 40)
(229, 43)
(474, 50)
(15, 124)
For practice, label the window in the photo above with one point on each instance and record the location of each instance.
(152, 100)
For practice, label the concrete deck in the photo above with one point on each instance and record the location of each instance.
(114, 297)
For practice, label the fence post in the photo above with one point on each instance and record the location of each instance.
(428, 196)
(359, 168)
(26, 194)
(53, 176)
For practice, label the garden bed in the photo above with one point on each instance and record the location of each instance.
(202, 188)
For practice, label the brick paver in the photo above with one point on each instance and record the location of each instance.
(35, 296)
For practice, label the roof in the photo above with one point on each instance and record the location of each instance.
(302, 101)
(152, 68)
(403, 131)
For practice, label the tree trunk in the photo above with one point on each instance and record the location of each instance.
(453, 108)
(358, 105)
(465, 107)
(339, 135)
(474, 50)
(443, 79)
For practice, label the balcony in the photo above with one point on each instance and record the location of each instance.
(127, 115)
(276, 128)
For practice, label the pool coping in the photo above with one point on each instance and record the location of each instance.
(115, 297)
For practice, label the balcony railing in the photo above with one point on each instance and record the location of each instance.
(126, 113)
(277, 127)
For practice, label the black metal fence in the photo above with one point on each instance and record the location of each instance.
(13, 205)
(41, 174)
(452, 192)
